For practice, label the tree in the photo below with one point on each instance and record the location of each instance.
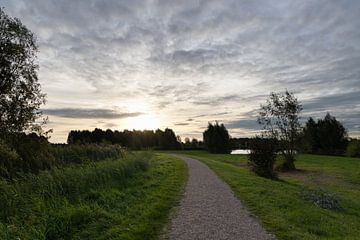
(353, 148)
(326, 136)
(280, 120)
(216, 138)
(20, 91)
(310, 141)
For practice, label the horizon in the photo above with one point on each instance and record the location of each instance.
(134, 65)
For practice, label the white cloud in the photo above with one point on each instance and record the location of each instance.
(180, 59)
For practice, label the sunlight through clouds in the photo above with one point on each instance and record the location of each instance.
(175, 60)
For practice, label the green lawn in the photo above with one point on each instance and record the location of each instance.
(281, 206)
(111, 199)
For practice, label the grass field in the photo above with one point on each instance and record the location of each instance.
(113, 199)
(282, 206)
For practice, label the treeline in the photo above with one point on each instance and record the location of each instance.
(325, 136)
(135, 139)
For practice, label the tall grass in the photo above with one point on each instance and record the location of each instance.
(65, 154)
(30, 195)
(110, 199)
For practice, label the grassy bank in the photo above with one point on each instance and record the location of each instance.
(283, 207)
(112, 199)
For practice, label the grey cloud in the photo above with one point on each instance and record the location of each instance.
(182, 124)
(334, 101)
(202, 53)
(89, 113)
(216, 100)
(243, 123)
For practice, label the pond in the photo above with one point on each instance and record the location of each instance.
(240, 151)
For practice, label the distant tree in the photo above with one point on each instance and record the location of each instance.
(216, 138)
(187, 143)
(326, 136)
(310, 140)
(353, 148)
(20, 91)
(280, 120)
(194, 143)
(332, 136)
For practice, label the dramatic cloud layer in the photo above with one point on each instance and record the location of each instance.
(89, 113)
(199, 60)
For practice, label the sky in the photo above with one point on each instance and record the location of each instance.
(153, 64)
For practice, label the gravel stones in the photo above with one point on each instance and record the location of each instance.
(209, 210)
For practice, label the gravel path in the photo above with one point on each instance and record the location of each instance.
(209, 210)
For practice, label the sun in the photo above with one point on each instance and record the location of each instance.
(147, 121)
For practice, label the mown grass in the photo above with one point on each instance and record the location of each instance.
(281, 205)
(113, 199)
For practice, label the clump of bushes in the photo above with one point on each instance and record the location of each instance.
(9, 159)
(321, 198)
(30, 153)
(27, 153)
(353, 148)
(262, 156)
(66, 154)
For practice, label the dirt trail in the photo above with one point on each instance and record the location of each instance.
(209, 210)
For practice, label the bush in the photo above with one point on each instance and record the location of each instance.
(353, 148)
(262, 156)
(9, 160)
(66, 154)
(35, 153)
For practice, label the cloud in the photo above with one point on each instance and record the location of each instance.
(89, 113)
(195, 58)
(334, 101)
(251, 124)
(182, 124)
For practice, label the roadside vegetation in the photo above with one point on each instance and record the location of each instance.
(319, 201)
(127, 198)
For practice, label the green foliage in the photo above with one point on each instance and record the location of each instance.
(326, 136)
(20, 91)
(353, 148)
(35, 153)
(280, 120)
(9, 159)
(216, 138)
(66, 154)
(25, 153)
(262, 156)
(111, 199)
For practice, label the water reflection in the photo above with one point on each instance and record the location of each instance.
(240, 151)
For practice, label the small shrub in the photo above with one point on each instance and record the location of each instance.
(262, 156)
(353, 148)
(9, 160)
(35, 153)
(321, 198)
